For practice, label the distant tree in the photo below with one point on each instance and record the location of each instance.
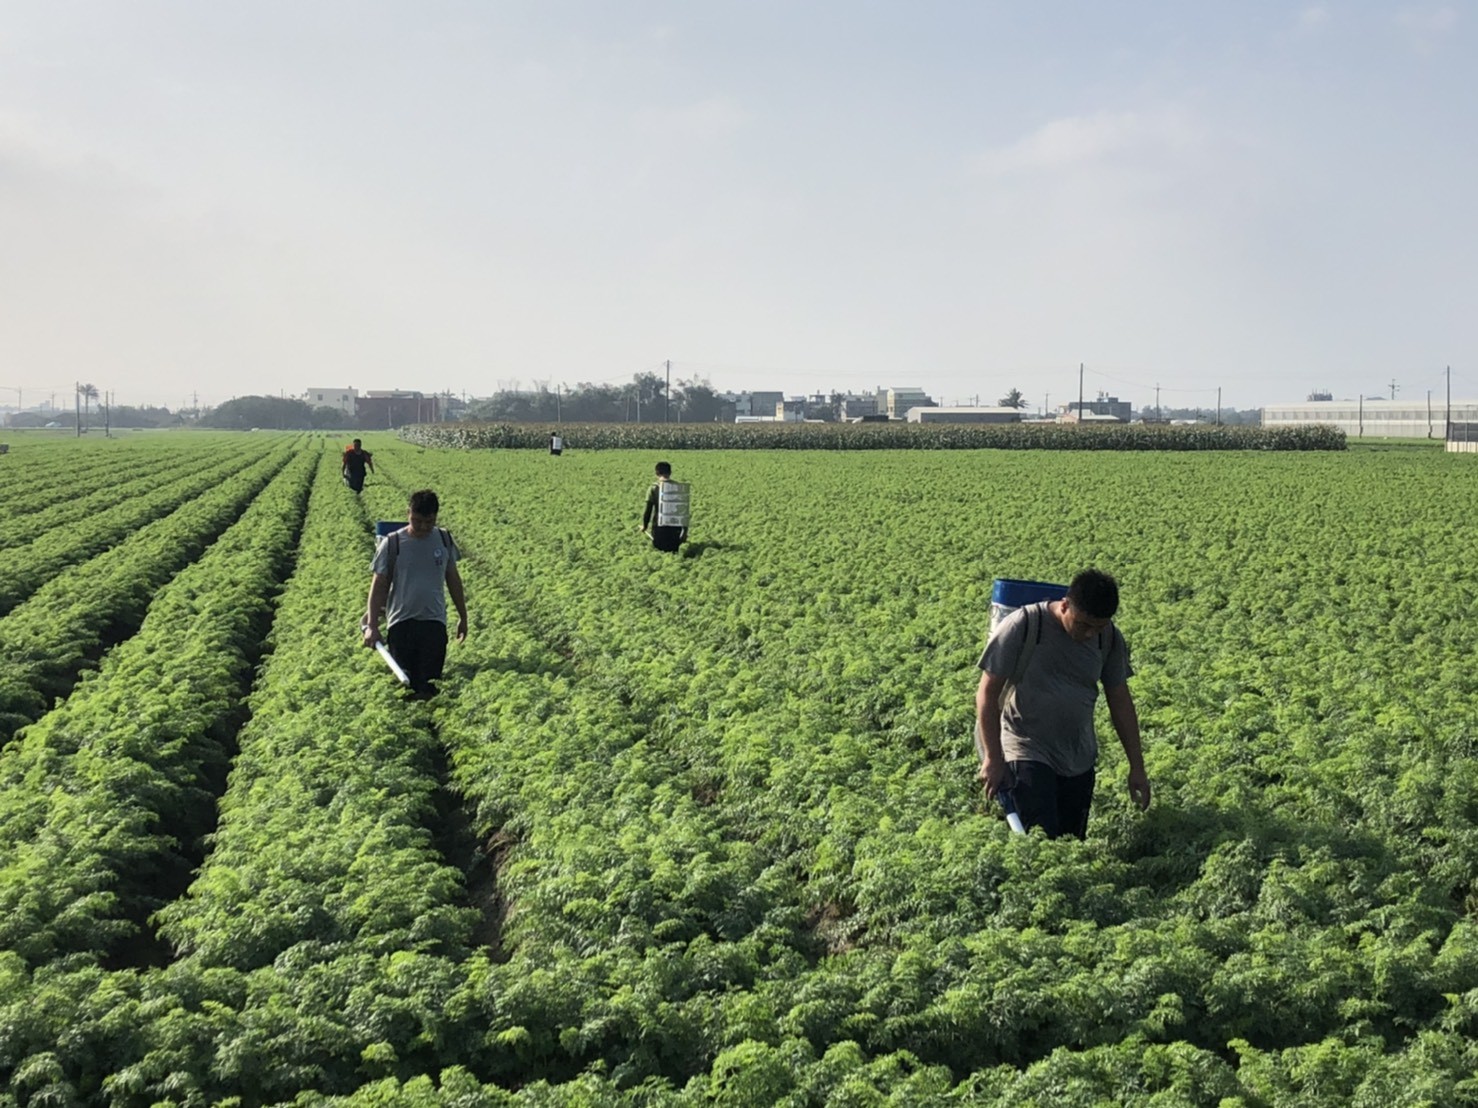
(88, 392)
(330, 419)
(267, 412)
(648, 396)
(1249, 417)
(696, 402)
(1012, 399)
(513, 406)
(124, 415)
(589, 403)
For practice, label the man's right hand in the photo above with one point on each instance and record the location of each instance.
(993, 775)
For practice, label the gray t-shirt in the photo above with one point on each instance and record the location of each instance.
(1048, 716)
(418, 574)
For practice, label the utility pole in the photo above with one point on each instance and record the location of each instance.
(1218, 405)
(667, 397)
(1361, 433)
(1429, 413)
(1080, 392)
(1393, 388)
(77, 405)
(1158, 414)
(1046, 406)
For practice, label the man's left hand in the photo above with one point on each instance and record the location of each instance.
(1139, 788)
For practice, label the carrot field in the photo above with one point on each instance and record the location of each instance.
(704, 829)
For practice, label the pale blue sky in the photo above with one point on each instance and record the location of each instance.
(233, 197)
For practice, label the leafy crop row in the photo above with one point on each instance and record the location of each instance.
(709, 767)
(135, 755)
(728, 800)
(48, 640)
(71, 501)
(318, 940)
(37, 472)
(53, 549)
(869, 436)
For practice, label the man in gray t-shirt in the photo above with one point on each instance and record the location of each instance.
(414, 568)
(1035, 727)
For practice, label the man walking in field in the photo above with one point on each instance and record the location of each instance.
(413, 570)
(1035, 723)
(666, 517)
(356, 460)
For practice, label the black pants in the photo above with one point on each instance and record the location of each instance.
(419, 647)
(1046, 799)
(355, 480)
(667, 539)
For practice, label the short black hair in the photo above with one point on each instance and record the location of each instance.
(1095, 593)
(664, 469)
(425, 503)
(356, 442)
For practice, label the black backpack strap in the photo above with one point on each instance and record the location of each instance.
(1030, 641)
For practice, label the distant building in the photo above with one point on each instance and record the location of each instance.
(964, 415)
(342, 400)
(396, 408)
(1110, 406)
(1462, 438)
(759, 405)
(1372, 418)
(1070, 414)
(897, 402)
(856, 406)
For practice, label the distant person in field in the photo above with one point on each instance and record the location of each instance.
(413, 570)
(1034, 726)
(665, 519)
(356, 460)
(556, 445)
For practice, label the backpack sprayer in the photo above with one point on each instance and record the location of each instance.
(1006, 595)
(382, 528)
(674, 502)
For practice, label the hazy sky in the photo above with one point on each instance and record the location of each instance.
(227, 198)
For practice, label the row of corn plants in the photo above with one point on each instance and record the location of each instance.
(870, 436)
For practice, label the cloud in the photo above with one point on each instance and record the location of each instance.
(1311, 19)
(706, 120)
(1425, 28)
(1100, 139)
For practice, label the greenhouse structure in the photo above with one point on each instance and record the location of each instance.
(1371, 418)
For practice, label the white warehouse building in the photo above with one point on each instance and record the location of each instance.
(1392, 419)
